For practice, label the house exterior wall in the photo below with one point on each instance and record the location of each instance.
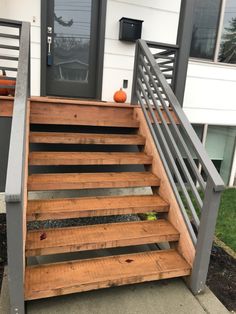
(160, 24)
(210, 88)
(210, 92)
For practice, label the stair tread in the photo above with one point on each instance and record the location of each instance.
(88, 158)
(84, 275)
(93, 237)
(94, 206)
(86, 138)
(65, 181)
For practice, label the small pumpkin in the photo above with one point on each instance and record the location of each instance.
(120, 96)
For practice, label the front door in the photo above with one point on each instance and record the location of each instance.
(70, 48)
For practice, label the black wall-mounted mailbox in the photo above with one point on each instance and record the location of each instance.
(130, 29)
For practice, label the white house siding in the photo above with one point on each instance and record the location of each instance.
(210, 89)
(210, 95)
(160, 24)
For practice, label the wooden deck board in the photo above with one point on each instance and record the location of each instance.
(88, 158)
(84, 275)
(101, 236)
(94, 206)
(74, 181)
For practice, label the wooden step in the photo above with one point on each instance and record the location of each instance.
(88, 158)
(42, 281)
(82, 114)
(74, 181)
(95, 237)
(94, 206)
(86, 138)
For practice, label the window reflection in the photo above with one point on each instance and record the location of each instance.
(228, 38)
(72, 22)
(205, 28)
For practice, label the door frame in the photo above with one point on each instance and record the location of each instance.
(101, 43)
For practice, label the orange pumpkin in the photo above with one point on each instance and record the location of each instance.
(120, 96)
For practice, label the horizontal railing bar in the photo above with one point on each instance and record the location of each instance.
(158, 56)
(176, 152)
(8, 78)
(165, 53)
(163, 157)
(154, 44)
(184, 146)
(168, 76)
(164, 69)
(166, 63)
(8, 69)
(8, 86)
(10, 58)
(9, 36)
(9, 47)
(10, 23)
(166, 66)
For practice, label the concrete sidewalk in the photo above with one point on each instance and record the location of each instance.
(161, 297)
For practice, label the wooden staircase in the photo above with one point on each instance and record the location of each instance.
(84, 146)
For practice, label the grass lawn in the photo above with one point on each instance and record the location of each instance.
(226, 222)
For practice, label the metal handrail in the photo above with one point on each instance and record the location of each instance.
(16, 188)
(15, 174)
(155, 95)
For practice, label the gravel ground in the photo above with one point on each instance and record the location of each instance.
(80, 221)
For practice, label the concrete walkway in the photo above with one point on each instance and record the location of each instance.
(161, 297)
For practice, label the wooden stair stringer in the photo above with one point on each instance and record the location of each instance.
(185, 245)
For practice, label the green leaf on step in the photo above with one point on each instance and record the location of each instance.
(151, 216)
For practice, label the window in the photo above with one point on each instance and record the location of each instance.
(214, 31)
(205, 28)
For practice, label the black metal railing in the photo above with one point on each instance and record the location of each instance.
(16, 187)
(166, 58)
(181, 152)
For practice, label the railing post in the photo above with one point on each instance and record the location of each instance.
(16, 261)
(134, 98)
(16, 183)
(205, 238)
(184, 39)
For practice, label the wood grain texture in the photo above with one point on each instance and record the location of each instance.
(84, 275)
(94, 206)
(88, 158)
(86, 138)
(52, 113)
(185, 244)
(81, 102)
(74, 181)
(101, 236)
(6, 106)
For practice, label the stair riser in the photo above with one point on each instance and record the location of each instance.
(81, 115)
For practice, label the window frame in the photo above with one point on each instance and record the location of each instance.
(218, 41)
